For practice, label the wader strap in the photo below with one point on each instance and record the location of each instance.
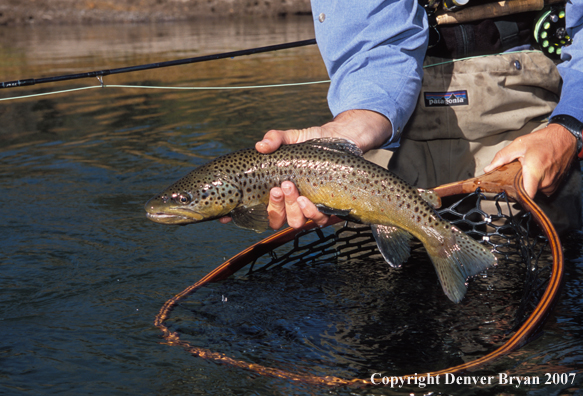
(509, 34)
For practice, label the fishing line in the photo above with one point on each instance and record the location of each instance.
(167, 88)
(475, 57)
(103, 85)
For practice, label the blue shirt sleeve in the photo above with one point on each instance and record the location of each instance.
(373, 51)
(571, 69)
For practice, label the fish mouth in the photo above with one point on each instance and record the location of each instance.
(165, 218)
(171, 215)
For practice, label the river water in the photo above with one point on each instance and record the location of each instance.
(83, 273)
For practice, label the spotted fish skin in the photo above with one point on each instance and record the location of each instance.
(335, 177)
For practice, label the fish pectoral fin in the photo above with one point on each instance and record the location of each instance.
(430, 197)
(458, 259)
(393, 244)
(333, 212)
(335, 144)
(251, 217)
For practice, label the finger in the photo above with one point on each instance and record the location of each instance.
(225, 220)
(294, 214)
(505, 156)
(276, 208)
(310, 211)
(274, 139)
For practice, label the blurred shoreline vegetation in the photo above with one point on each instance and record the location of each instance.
(24, 12)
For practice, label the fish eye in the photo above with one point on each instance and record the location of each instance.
(184, 198)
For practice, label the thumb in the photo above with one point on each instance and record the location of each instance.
(530, 180)
(275, 138)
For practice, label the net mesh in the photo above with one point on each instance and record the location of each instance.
(278, 284)
(495, 221)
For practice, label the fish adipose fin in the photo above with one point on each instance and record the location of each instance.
(458, 259)
(335, 144)
(430, 197)
(393, 244)
(251, 217)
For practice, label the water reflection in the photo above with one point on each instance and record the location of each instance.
(84, 273)
(243, 114)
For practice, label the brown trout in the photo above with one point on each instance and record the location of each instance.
(333, 174)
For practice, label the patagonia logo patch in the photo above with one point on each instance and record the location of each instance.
(454, 98)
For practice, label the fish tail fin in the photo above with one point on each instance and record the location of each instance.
(457, 259)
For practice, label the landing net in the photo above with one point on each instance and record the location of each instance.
(366, 311)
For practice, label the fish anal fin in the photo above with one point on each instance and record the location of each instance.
(333, 212)
(251, 217)
(393, 243)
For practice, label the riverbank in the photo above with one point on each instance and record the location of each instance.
(20, 12)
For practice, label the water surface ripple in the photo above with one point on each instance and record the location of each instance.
(83, 272)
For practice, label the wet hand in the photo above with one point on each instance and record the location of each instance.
(545, 156)
(366, 129)
(285, 203)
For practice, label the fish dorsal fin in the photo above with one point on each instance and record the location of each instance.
(393, 244)
(251, 217)
(335, 144)
(430, 197)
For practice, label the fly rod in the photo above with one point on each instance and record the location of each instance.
(101, 73)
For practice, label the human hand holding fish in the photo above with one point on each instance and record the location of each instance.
(366, 129)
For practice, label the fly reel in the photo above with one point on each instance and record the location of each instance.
(550, 31)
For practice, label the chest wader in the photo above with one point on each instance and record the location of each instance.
(468, 110)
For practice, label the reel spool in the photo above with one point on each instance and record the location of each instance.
(550, 31)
